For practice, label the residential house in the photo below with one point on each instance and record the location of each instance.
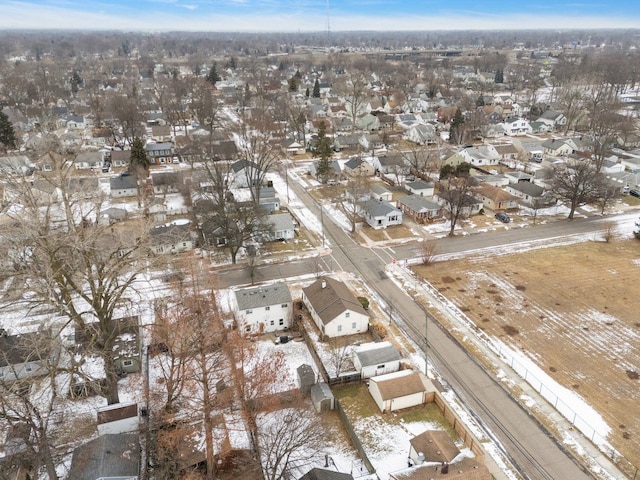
(25, 355)
(370, 141)
(356, 167)
(553, 118)
(398, 390)
(611, 165)
(631, 162)
(123, 186)
(171, 239)
(267, 308)
(557, 147)
(20, 164)
(324, 474)
(160, 153)
(368, 122)
(167, 182)
(335, 171)
(529, 194)
(432, 446)
(495, 198)
(481, 155)
(423, 134)
(268, 200)
(420, 188)
(112, 215)
(344, 142)
(89, 160)
(420, 209)
(44, 192)
(392, 163)
(380, 214)
(110, 456)
(379, 192)
(224, 150)
(493, 180)
(376, 358)
(244, 173)
(464, 468)
(514, 127)
(334, 308)
(161, 133)
(518, 177)
(507, 151)
(50, 161)
(120, 158)
(342, 124)
(279, 226)
(294, 147)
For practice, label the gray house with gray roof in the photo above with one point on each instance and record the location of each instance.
(380, 214)
(372, 359)
(111, 456)
(266, 308)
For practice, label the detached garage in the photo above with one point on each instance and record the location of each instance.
(372, 359)
(403, 389)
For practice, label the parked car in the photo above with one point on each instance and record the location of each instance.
(634, 193)
(503, 217)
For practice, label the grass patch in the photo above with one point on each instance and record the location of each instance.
(399, 231)
(356, 401)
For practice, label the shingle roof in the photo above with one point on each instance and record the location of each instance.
(111, 455)
(399, 384)
(418, 204)
(374, 354)
(436, 445)
(378, 208)
(321, 474)
(332, 299)
(262, 296)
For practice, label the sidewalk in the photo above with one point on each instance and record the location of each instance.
(582, 448)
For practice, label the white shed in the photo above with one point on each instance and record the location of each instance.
(372, 359)
(398, 390)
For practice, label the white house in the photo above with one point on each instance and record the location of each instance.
(398, 390)
(171, 239)
(420, 188)
(516, 126)
(266, 308)
(334, 308)
(423, 134)
(26, 355)
(376, 358)
(87, 160)
(123, 186)
(279, 227)
(380, 214)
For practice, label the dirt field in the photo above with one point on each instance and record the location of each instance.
(575, 310)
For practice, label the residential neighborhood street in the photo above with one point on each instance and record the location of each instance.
(529, 446)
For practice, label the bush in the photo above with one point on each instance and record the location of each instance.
(365, 302)
(379, 329)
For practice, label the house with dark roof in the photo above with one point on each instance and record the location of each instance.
(244, 173)
(171, 239)
(111, 456)
(355, 166)
(160, 153)
(266, 308)
(420, 187)
(376, 358)
(88, 160)
(529, 194)
(26, 355)
(279, 226)
(323, 474)
(334, 308)
(124, 186)
(380, 214)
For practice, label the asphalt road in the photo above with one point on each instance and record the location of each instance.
(529, 446)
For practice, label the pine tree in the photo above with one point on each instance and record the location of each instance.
(307, 93)
(456, 131)
(7, 133)
(324, 151)
(499, 76)
(213, 77)
(316, 89)
(139, 158)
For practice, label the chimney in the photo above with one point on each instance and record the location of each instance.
(324, 284)
(445, 468)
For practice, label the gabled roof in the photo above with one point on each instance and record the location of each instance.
(419, 185)
(322, 474)
(528, 188)
(123, 182)
(496, 194)
(376, 353)
(329, 298)
(419, 204)
(378, 208)
(263, 296)
(27, 347)
(399, 384)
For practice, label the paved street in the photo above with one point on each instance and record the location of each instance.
(525, 441)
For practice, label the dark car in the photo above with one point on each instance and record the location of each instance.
(634, 193)
(503, 217)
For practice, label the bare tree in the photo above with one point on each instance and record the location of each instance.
(355, 192)
(289, 440)
(85, 272)
(339, 350)
(609, 231)
(579, 183)
(455, 191)
(428, 251)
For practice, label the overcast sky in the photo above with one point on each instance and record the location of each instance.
(311, 15)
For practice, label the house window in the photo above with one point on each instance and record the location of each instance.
(353, 325)
(281, 322)
(267, 308)
(284, 305)
(346, 315)
(249, 312)
(380, 366)
(28, 367)
(127, 363)
(271, 322)
(339, 328)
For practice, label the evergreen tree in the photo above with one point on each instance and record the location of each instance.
(139, 158)
(213, 76)
(324, 151)
(500, 76)
(307, 93)
(316, 89)
(7, 133)
(456, 131)
(76, 81)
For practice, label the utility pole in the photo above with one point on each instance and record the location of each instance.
(426, 345)
(322, 223)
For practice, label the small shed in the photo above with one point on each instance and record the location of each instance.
(403, 389)
(372, 359)
(322, 397)
(118, 418)
(306, 378)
